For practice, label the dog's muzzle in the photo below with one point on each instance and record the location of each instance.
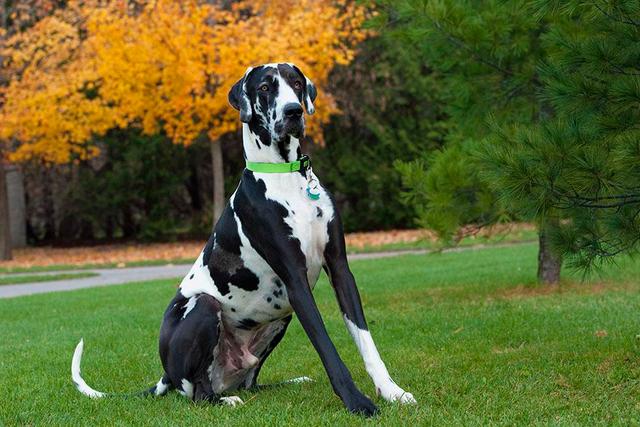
(293, 121)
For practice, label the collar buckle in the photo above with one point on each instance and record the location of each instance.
(305, 163)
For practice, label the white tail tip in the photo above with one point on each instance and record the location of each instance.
(81, 385)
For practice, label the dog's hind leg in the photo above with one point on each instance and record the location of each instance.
(162, 387)
(251, 381)
(188, 339)
(344, 284)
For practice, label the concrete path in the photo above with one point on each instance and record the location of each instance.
(118, 276)
(105, 277)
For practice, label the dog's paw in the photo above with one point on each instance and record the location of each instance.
(298, 380)
(231, 401)
(392, 393)
(358, 403)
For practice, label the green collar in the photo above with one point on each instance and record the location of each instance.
(300, 165)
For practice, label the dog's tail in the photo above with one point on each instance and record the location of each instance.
(80, 383)
(158, 390)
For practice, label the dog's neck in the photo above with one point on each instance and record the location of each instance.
(255, 150)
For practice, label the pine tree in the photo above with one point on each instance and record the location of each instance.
(543, 98)
(486, 54)
(581, 165)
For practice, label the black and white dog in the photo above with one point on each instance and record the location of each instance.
(261, 263)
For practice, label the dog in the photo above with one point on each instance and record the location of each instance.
(279, 229)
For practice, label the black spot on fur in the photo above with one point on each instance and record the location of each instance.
(318, 212)
(268, 299)
(225, 264)
(227, 236)
(278, 282)
(208, 248)
(245, 279)
(247, 324)
(230, 296)
(191, 277)
(233, 309)
(277, 306)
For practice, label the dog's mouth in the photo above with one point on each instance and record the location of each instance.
(291, 127)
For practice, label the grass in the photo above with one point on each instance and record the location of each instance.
(468, 333)
(29, 278)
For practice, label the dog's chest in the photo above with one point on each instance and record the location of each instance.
(305, 221)
(307, 218)
(259, 296)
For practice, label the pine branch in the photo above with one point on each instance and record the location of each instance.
(462, 45)
(569, 201)
(627, 21)
(616, 248)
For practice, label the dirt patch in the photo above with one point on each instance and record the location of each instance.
(605, 366)
(529, 291)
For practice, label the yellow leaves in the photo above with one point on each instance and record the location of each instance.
(166, 66)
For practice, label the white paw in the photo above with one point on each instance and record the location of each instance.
(231, 401)
(392, 393)
(299, 380)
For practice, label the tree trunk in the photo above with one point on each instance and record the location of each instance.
(5, 225)
(549, 263)
(218, 180)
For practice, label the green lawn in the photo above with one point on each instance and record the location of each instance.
(30, 278)
(465, 332)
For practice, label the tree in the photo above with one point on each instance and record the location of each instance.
(162, 66)
(582, 162)
(544, 105)
(14, 16)
(5, 234)
(486, 55)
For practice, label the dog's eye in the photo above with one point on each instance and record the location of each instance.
(264, 88)
(297, 85)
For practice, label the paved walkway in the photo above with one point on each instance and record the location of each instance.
(118, 276)
(105, 277)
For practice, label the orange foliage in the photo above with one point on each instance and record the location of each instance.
(163, 65)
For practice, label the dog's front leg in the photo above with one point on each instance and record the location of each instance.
(305, 308)
(348, 297)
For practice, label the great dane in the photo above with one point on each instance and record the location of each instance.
(280, 228)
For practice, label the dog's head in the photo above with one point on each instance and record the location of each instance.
(270, 99)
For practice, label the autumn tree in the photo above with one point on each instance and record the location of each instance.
(163, 66)
(15, 16)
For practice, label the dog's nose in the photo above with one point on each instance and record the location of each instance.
(292, 110)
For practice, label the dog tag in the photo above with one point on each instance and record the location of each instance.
(313, 192)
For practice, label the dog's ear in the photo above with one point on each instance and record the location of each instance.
(310, 92)
(239, 99)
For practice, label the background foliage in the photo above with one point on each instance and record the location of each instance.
(483, 111)
(543, 99)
